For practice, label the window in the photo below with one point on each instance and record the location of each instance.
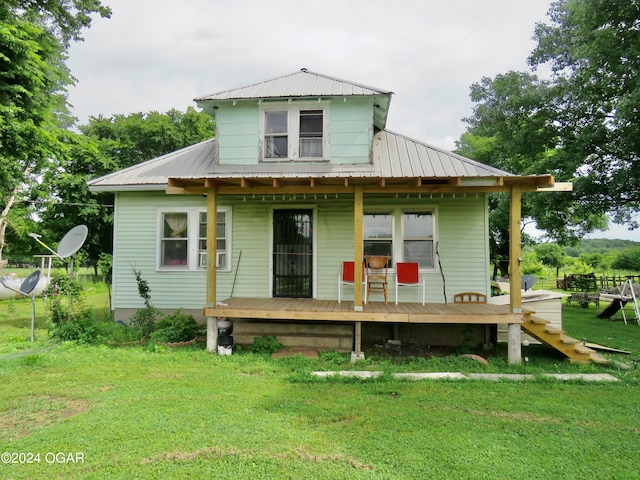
(417, 237)
(405, 236)
(276, 139)
(221, 240)
(378, 234)
(294, 132)
(174, 241)
(183, 239)
(311, 133)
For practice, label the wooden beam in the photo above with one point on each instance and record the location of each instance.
(212, 224)
(245, 183)
(358, 246)
(515, 273)
(277, 183)
(312, 182)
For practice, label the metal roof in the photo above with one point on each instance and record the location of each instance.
(298, 84)
(153, 174)
(394, 157)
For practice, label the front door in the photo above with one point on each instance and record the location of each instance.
(292, 253)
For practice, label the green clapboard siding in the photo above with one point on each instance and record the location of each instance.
(461, 223)
(350, 131)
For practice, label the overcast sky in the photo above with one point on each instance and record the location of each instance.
(154, 55)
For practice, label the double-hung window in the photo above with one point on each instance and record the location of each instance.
(417, 238)
(182, 239)
(294, 132)
(405, 235)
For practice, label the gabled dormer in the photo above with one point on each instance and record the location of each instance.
(300, 117)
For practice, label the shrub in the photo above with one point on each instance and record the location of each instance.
(177, 327)
(70, 319)
(265, 345)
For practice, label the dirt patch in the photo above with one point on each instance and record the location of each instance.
(34, 412)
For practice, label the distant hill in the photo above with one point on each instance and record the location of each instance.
(600, 245)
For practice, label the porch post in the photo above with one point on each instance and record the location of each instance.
(358, 248)
(212, 219)
(515, 275)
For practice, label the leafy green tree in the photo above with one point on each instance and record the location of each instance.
(581, 125)
(628, 260)
(593, 49)
(104, 146)
(34, 37)
(126, 140)
(551, 255)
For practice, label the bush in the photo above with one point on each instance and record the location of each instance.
(265, 345)
(177, 327)
(144, 320)
(70, 319)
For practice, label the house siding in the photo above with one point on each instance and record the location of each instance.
(350, 132)
(462, 226)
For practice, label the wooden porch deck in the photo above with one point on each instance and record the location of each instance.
(330, 310)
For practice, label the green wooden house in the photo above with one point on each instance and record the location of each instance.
(302, 176)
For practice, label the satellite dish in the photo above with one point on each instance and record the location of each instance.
(528, 281)
(30, 283)
(72, 241)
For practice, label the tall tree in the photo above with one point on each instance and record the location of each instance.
(34, 36)
(104, 146)
(582, 125)
(593, 49)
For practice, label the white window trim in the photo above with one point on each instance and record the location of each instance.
(293, 129)
(397, 240)
(193, 228)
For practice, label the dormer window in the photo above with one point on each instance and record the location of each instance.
(276, 138)
(294, 132)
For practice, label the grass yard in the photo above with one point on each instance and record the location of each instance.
(94, 411)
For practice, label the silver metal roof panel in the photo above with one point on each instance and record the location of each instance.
(298, 84)
(393, 156)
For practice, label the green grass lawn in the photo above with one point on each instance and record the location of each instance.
(160, 412)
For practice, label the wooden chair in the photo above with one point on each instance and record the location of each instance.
(377, 270)
(470, 297)
(408, 275)
(347, 277)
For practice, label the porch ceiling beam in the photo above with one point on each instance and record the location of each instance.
(370, 185)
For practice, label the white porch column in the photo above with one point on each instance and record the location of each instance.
(212, 218)
(515, 273)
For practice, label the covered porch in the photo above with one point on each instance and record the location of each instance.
(359, 183)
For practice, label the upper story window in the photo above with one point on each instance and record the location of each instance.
(276, 136)
(294, 131)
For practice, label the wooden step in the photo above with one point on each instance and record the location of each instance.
(568, 340)
(553, 330)
(539, 321)
(583, 350)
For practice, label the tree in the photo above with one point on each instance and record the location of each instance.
(581, 125)
(628, 260)
(33, 78)
(551, 255)
(593, 49)
(104, 146)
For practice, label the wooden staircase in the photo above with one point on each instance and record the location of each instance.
(540, 329)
